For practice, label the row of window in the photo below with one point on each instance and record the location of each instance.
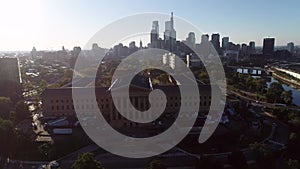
(102, 106)
(71, 100)
(131, 98)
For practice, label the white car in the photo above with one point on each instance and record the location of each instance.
(51, 165)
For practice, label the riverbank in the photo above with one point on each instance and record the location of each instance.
(288, 81)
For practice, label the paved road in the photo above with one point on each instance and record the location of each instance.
(281, 132)
(261, 103)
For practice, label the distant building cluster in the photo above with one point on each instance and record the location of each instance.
(229, 52)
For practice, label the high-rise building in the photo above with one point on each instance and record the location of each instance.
(215, 40)
(290, 47)
(170, 34)
(33, 52)
(141, 44)
(191, 40)
(251, 47)
(225, 41)
(268, 46)
(204, 38)
(132, 45)
(154, 36)
(10, 81)
(95, 46)
(244, 49)
(9, 70)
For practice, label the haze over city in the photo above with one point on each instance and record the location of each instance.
(48, 25)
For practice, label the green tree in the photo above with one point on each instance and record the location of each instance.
(203, 76)
(5, 107)
(48, 150)
(5, 126)
(43, 85)
(6, 133)
(260, 85)
(249, 82)
(293, 146)
(264, 159)
(287, 97)
(295, 121)
(259, 150)
(274, 92)
(22, 111)
(293, 164)
(86, 160)
(293, 137)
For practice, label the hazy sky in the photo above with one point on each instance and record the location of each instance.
(50, 24)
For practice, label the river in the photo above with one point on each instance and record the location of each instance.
(296, 92)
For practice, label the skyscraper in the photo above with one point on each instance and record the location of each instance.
(244, 50)
(170, 34)
(204, 38)
(9, 70)
(10, 81)
(132, 45)
(268, 46)
(225, 41)
(290, 47)
(154, 36)
(251, 47)
(191, 40)
(215, 40)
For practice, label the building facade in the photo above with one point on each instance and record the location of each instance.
(268, 46)
(59, 102)
(215, 40)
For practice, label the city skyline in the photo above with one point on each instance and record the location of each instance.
(50, 25)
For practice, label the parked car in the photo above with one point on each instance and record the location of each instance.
(51, 165)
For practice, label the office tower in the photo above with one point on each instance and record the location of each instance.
(33, 52)
(244, 49)
(141, 44)
(154, 35)
(191, 40)
(252, 45)
(170, 34)
(215, 40)
(251, 48)
(10, 81)
(204, 38)
(95, 46)
(132, 45)
(268, 46)
(9, 70)
(225, 41)
(290, 47)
